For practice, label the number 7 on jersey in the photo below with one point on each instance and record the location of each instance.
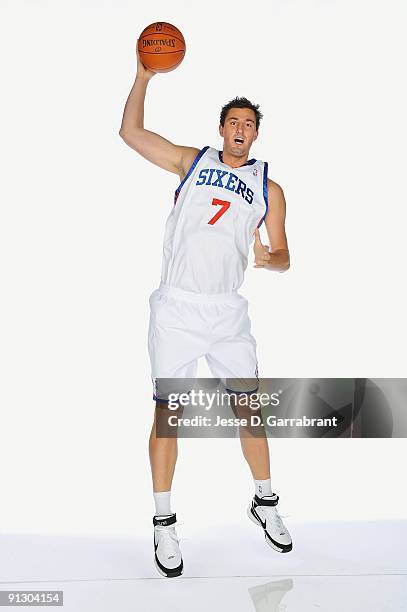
(225, 205)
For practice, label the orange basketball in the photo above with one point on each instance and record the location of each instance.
(161, 47)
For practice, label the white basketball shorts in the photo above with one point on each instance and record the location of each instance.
(185, 326)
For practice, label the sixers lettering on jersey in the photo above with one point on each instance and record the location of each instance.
(227, 180)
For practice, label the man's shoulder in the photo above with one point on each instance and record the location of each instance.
(274, 188)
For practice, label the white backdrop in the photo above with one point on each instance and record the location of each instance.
(82, 220)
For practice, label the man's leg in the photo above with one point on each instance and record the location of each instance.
(263, 509)
(253, 441)
(163, 456)
(233, 357)
(173, 355)
(163, 453)
(256, 453)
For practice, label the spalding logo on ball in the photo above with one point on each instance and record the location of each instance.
(161, 47)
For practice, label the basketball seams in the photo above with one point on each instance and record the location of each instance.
(174, 66)
(166, 52)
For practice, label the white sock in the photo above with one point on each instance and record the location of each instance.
(263, 487)
(162, 501)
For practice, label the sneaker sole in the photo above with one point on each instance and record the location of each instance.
(266, 537)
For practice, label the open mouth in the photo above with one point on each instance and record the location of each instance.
(239, 140)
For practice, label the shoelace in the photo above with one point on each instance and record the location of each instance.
(167, 539)
(274, 517)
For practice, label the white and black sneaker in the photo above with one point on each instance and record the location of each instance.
(264, 513)
(168, 559)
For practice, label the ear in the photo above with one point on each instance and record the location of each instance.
(221, 130)
(255, 138)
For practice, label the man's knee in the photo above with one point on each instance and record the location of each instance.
(166, 419)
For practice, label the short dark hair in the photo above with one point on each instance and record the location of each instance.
(241, 103)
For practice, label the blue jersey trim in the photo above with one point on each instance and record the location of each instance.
(250, 162)
(265, 192)
(188, 174)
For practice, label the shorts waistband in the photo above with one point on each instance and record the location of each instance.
(191, 296)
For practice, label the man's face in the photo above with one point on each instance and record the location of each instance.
(239, 131)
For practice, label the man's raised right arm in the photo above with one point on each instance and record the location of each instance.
(150, 145)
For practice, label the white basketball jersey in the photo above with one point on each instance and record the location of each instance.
(211, 226)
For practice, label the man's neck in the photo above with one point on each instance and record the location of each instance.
(232, 161)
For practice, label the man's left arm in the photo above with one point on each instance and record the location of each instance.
(278, 258)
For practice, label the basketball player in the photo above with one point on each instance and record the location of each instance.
(221, 201)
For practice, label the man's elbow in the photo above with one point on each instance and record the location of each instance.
(131, 137)
(283, 260)
(286, 263)
(124, 135)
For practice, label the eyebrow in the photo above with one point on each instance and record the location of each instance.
(237, 119)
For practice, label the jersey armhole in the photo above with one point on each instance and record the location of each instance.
(188, 174)
(265, 192)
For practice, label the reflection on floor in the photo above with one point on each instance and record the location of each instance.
(269, 596)
(334, 567)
